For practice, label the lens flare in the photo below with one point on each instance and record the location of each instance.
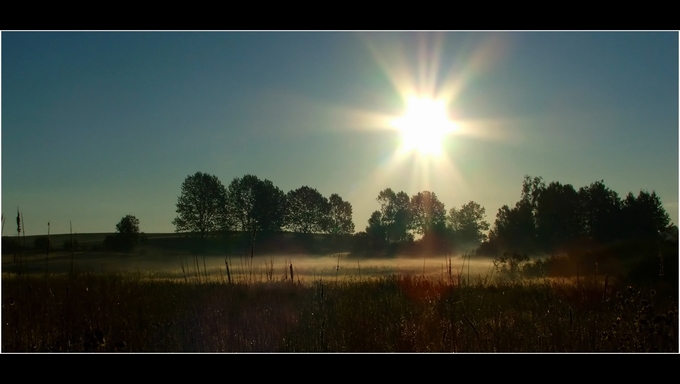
(424, 126)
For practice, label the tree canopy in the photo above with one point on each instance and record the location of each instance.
(468, 224)
(395, 214)
(307, 210)
(427, 212)
(125, 238)
(128, 226)
(548, 218)
(600, 212)
(202, 205)
(339, 220)
(375, 229)
(256, 205)
(554, 217)
(557, 216)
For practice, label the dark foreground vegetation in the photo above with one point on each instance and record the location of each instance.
(130, 312)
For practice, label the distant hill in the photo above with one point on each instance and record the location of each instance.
(233, 243)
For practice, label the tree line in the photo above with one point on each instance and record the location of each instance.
(401, 218)
(548, 217)
(556, 217)
(252, 205)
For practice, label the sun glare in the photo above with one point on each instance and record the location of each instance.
(424, 126)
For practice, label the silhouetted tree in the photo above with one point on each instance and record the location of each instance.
(427, 212)
(557, 216)
(339, 218)
(256, 205)
(128, 226)
(386, 198)
(531, 189)
(644, 216)
(514, 229)
(125, 238)
(395, 214)
(468, 224)
(594, 219)
(202, 205)
(127, 232)
(600, 210)
(307, 210)
(375, 229)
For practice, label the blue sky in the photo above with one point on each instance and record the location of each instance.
(98, 125)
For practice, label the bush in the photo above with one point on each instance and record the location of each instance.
(511, 265)
(553, 266)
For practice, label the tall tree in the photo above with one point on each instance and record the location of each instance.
(307, 210)
(339, 219)
(600, 209)
(402, 217)
(644, 216)
(375, 229)
(514, 229)
(557, 216)
(386, 199)
(531, 190)
(128, 226)
(201, 207)
(428, 213)
(256, 205)
(468, 224)
(395, 214)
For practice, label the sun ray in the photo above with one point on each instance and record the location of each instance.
(429, 88)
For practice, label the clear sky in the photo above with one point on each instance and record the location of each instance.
(98, 125)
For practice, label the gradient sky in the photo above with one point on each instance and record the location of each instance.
(98, 125)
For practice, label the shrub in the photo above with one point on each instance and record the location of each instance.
(510, 265)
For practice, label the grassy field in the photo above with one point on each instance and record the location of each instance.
(150, 301)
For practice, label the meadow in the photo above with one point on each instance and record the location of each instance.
(154, 300)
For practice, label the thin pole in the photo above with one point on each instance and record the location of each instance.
(23, 230)
(47, 255)
(17, 251)
(70, 225)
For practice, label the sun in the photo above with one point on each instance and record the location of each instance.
(424, 126)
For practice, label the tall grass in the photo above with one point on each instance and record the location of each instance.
(136, 312)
